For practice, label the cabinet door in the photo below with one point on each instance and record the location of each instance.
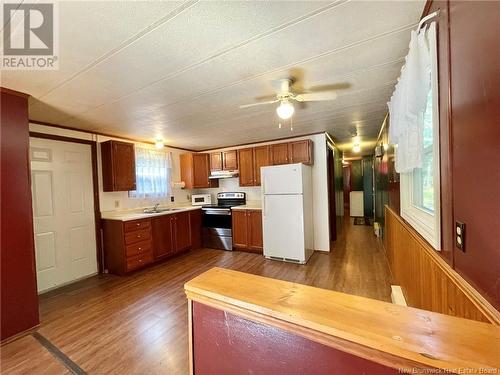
(124, 166)
(301, 151)
(255, 241)
(230, 160)
(261, 158)
(200, 171)
(245, 157)
(182, 231)
(279, 153)
(240, 235)
(216, 161)
(162, 228)
(195, 227)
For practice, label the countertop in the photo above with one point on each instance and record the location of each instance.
(405, 334)
(137, 214)
(250, 205)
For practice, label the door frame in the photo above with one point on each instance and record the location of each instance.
(95, 186)
(332, 209)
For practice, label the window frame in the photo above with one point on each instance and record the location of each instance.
(424, 222)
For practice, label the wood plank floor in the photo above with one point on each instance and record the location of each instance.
(138, 324)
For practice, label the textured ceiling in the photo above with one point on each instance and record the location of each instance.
(179, 70)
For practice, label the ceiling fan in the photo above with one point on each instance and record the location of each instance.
(288, 94)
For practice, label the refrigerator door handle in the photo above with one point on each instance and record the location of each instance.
(263, 206)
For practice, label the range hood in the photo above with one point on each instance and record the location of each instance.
(223, 174)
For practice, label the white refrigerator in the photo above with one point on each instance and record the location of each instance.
(287, 213)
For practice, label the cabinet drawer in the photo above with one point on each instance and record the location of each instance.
(137, 248)
(130, 226)
(137, 236)
(139, 261)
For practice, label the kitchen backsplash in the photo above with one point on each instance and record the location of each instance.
(109, 199)
(231, 184)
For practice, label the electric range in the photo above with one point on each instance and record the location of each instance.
(217, 221)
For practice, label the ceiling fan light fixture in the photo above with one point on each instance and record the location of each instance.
(285, 110)
(356, 147)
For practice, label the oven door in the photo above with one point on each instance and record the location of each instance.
(216, 231)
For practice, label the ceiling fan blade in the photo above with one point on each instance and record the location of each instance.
(265, 97)
(316, 96)
(332, 87)
(260, 103)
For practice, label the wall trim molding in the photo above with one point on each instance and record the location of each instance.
(473, 296)
(36, 122)
(14, 92)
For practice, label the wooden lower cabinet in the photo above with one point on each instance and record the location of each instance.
(247, 230)
(163, 236)
(195, 226)
(130, 245)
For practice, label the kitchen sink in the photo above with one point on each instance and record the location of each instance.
(159, 210)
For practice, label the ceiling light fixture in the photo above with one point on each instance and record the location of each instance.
(356, 147)
(159, 144)
(285, 110)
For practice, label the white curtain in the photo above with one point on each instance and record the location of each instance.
(153, 169)
(408, 102)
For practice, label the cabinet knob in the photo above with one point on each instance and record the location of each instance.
(140, 249)
(140, 260)
(138, 236)
(138, 224)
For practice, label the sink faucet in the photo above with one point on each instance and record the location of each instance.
(155, 208)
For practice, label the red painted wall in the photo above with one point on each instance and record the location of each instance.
(19, 300)
(228, 344)
(475, 134)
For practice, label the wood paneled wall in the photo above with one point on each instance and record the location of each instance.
(19, 299)
(428, 282)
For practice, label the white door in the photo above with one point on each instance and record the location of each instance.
(282, 179)
(283, 225)
(63, 212)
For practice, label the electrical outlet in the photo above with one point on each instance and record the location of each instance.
(460, 235)
(172, 199)
(117, 204)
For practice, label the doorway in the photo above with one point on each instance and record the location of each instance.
(64, 221)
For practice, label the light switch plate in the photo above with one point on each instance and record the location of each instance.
(460, 235)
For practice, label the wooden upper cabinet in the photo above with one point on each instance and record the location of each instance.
(200, 171)
(118, 166)
(279, 153)
(261, 158)
(216, 161)
(224, 161)
(246, 162)
(301, 151)
(230, 160)
(195, 171)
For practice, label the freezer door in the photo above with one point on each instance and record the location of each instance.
(283, 225)
(282, 179)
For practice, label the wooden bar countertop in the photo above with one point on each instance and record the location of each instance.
(393, 335)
